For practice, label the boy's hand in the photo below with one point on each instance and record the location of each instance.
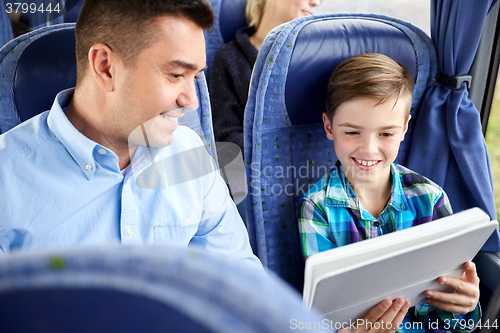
(384, 317)
(465, 297)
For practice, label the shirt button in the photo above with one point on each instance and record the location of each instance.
(88, 167)
(102, 151)
(376, 224)
(130, 231)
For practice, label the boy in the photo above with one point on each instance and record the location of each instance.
(366, 194)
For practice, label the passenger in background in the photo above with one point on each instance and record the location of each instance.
(233, 63)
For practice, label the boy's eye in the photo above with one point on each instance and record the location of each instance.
(176, 76)
(387, 134)
(351, 133)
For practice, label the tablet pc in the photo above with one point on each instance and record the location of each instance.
(344, 283)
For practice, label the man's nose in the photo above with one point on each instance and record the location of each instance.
(188, 97)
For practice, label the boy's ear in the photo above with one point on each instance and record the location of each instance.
(405, 129)
(328, 126)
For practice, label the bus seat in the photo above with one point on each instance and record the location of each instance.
(141, 289)
(36, 66)
(286, 149)
(6, 33)
(229, 17)
(72, 14)
(492, 313)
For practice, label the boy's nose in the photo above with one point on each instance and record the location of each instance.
(370, 145)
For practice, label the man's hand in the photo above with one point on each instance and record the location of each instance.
(465, 297)
(384, 317)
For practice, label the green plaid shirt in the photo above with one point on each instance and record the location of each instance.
(332, 216)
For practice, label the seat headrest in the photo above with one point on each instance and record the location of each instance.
(321, 46)
(232, 18)
(47, 66)
(73, 8)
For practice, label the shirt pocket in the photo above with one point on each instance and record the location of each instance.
(180, 232)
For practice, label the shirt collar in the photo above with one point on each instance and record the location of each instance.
(81, 148)
(339, 192)
(86, 152)
(398, 199)
(142, 158)
(338, 189)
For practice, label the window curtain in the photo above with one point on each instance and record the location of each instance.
(447, 145)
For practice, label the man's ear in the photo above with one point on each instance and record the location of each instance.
(102, 63)
(328, 126)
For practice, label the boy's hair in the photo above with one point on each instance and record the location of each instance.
(253, 11)
(126, 26)
(371, 75)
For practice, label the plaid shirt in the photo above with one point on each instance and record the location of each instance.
(331, 216)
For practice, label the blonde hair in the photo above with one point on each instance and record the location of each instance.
(254, 11)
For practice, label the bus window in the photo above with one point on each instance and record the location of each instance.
(492, 139)
(416, 12)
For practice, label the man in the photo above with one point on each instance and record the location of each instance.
(75, 174)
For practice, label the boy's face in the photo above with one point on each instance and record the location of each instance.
(367, 138)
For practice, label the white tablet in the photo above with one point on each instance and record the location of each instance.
(344, 283)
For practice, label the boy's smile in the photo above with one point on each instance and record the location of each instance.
(367, 138)
(365, 165)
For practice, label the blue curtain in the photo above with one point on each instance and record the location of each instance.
(447, 145)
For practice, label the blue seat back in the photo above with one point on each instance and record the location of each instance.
(286, 149)
(6, 33)
(74, 6)
(53, 12)
(229, 17)
(141, 289)
(37, 65)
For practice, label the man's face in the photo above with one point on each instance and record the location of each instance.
(367, 138)
(153, 94)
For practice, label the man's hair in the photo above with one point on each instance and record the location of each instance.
(254, 11)
(369, 75)
(126, 26)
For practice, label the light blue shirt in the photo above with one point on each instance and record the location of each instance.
(59, 188)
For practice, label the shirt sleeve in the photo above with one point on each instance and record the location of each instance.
(221, 229)
(314, 229)
(442, 206)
